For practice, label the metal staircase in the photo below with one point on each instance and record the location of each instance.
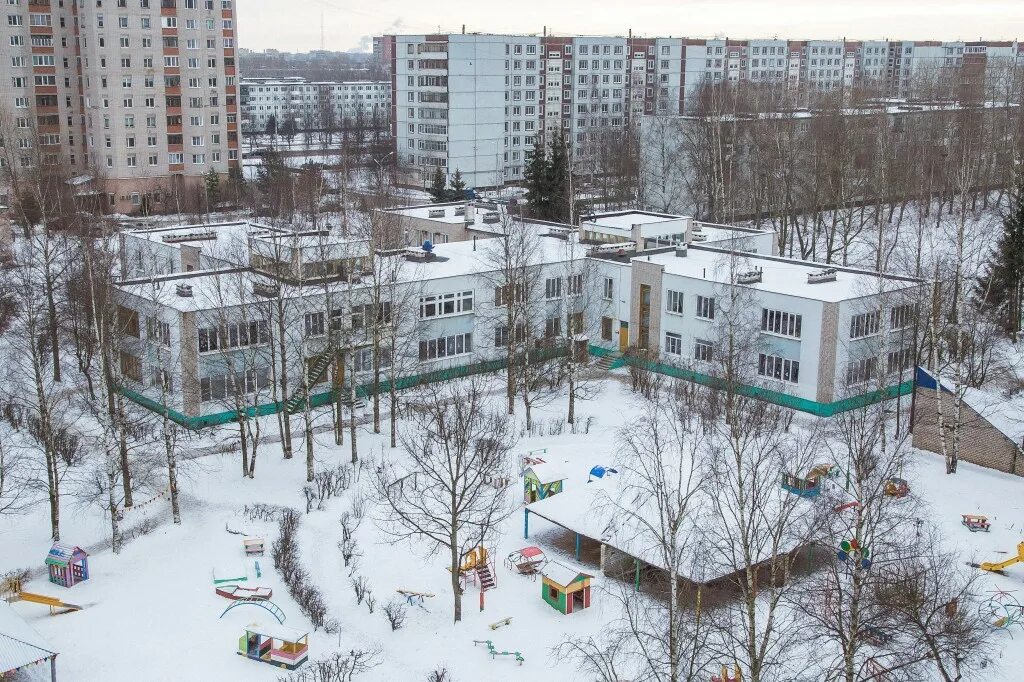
(485, 577)
(321, 362)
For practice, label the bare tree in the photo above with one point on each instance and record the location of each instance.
(457, 447)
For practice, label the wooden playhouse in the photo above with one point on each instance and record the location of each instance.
(564, 588)
(541, 481)
(68, 565)
(275, 644)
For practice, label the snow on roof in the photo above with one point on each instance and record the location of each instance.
(61, 553)
(546, 472)
(444, 213)
(20, 645)
(780, 275)
(562, 574)
(277, 631)
(1006, 415)
(625, 220)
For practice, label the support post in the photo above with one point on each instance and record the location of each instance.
(526, 524)
(53, 668)
(577, 546)
(601, 564)
(636, 575)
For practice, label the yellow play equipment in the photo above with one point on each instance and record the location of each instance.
(724, 676)
(989, 566)
(11, 589)
(473, 559)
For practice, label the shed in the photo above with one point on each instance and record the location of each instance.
(22, 647)
(68, 565)
(565, 589)
(541, 481)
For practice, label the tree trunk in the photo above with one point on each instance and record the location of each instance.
(456, 587)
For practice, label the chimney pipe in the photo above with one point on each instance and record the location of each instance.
(474, 242)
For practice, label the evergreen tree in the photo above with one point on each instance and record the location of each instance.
(458, 187)
(535, 174)
(558, 170)
(271, 128)
(1002, 287)
(212, 180)
(437, 186)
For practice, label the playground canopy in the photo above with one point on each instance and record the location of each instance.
(20, 645)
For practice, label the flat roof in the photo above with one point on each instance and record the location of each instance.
(779, 275)
(423, 211)
(224, 233)
(625, 220)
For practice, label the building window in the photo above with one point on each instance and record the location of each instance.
(673, 344)
(552, 327)
(608, 291)
(234, 335)
(781, 323)
(705, 308)
(221, 386)
(503, 294)
(865, 324)
(899, 360)
(158, 332)
(674, 302)
(131, 367)
(774, 367)
(860, 371)
(575, 287)
(442, 305)
(902, 316)
(314, 324)
(501, 338)
(606, 328)
(702, 350)
(446, 346)
(553, 287)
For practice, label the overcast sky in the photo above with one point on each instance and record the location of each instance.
(294, 25)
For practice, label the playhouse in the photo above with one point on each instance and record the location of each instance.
(541, 481)
(277, 645)
(564, 588)
(67, 564)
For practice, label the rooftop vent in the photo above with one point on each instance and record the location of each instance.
(749, 277)
(681, 250)
(189, 237)
(491, 218)
(461, 210)
(435, 213)
(827, 275)
(184, 290)
(697, 237)
(266, 290)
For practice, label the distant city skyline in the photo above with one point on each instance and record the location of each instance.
(296, 26)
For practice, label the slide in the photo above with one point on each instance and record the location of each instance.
(52, 602)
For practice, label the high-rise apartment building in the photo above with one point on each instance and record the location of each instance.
(138, 95)
(477, 103)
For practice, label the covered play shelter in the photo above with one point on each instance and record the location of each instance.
(21, 647)
(67, 564)
(275, 644)
(565, 589)
(541, 481)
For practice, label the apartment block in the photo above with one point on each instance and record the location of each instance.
(314, 105)
(478, 103)
(137, 97)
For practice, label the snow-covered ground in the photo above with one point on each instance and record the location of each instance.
(151, 612)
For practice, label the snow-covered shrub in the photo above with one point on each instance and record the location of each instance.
(371, 601)
(361, 586)
(263, 512)
(395, 612)
(337, 667)
(439, 675)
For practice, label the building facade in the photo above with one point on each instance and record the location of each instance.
(477, 103)
(141, 95)
(313, 105)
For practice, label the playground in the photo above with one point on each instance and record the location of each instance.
(161, 589)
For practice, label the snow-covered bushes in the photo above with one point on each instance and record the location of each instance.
(285, 552)
(338, 667)
(395, 612)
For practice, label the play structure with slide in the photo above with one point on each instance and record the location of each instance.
(997, 567)
(12, 592)
(493, 651)
(477, 567)
(265, 604)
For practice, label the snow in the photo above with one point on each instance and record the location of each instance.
(1005, 414)
(151, 612)
(20, 645)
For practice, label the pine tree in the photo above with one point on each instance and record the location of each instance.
(458, 187)
(437, 186)
(1002, 287)
(536, 177)
(558, 181)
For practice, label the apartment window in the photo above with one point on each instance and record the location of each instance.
(774, 367)
(607, 325)
(673, 344)
(674, 302)
(608, 289)
(705, 308)
(865, 324)
(442, 305)
(314, 324)
(575, 287)
(899, 360)
(221, 386)
(501, 336)
(552, 327)
(553, 287)
(860, 371)
(902, 316)
(702, 350)
(503, 295)
(781, 323)
(446, 346)
(158, 332)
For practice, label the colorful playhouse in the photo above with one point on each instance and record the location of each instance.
(541, 481)
(277, 645)
(67, 564)
(564, 588)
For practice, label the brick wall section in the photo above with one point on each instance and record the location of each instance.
(980, 442)
(827, 358)
(190, 395)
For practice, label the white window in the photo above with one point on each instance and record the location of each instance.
(221, 386)
(314, 324)
(443, 305)
(608, 290)
(774, 367)
(865, 324)
(446, 346)
(553, 327)
(575, 285)
(674, 302)
(553, 287)
(860, 371)
(705, 308)
(702, 350)
(673, 344)
(902, 316)
(781, 323)
(899, 360)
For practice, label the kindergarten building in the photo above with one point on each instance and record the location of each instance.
(218, 318)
